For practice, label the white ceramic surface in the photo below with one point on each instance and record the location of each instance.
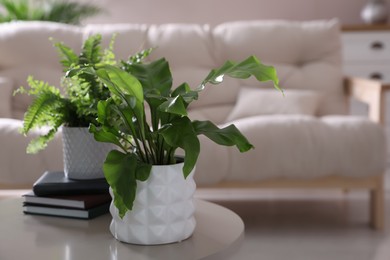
(83, 156)
(163, 210)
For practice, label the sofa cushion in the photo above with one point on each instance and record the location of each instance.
(19, 76)
(308, 52)
(6, 90)
(28, 43)
(212, 95)
(297, 146)
(188, 48)
(255, 102)
(129, 38)
(20, 168)
(182, 44)
(216, 114)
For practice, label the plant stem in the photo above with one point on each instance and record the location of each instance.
(134, 134)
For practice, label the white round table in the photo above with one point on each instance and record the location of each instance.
(218, 233)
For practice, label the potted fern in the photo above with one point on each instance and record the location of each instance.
(151, 186)
(61, 11)
(74, 110)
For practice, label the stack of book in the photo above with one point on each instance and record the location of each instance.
(55, 195)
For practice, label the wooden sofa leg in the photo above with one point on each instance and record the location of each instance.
(377, 204)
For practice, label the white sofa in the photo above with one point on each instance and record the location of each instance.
(302, 140)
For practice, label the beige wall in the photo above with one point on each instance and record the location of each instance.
(216, 11)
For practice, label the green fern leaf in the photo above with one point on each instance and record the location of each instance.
(67, 55)
(40, 111)
(70, 12)
(17, 10)
(41, 142)
(62, 11)
(108, 54)
(44, 108)
(91, 53)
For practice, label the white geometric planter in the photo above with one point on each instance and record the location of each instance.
(83, 155)
(163, 210)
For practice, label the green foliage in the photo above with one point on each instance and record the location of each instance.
(61, 11)
(81, 84)
(122, 120)
(79, 106)
(47, 109)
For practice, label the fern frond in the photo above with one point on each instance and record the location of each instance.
(44, 108)
(135, 59)
(38, 86)
(70, 12)
(108, 54)
(40, 112)
(41, 142)
(17, 10)
(62, 11)
(91, 52)
(67, 55)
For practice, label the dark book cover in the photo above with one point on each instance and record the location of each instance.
(55, 183)
(66, 212)
(80, 201)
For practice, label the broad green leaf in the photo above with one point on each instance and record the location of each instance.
(249, 67)
(118, 81)
(154, 101)
(216, 76)
(155, 77)
(181, 90)
(174, 105)
(102, 136)
(180, 133)
(143, 171)
(187, 94)
(124, 85)
(102, 111)
(78, 71)
(120, 172)
(227, 136)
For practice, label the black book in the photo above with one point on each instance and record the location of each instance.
(66, 212)
(79, 201)
(55, 183)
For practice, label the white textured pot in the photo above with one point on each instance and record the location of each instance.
(163, 210)
(83, 156)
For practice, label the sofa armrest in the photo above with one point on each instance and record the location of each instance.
(19, 169)
(6, 89)
(371, 92)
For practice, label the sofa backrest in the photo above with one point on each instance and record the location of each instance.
(26, 49)
(307, 55)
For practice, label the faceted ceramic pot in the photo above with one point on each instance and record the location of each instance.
(163, 210)
(83, 156)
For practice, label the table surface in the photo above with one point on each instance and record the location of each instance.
(218, 234)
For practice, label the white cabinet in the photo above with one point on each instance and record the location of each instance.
(366, 52)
